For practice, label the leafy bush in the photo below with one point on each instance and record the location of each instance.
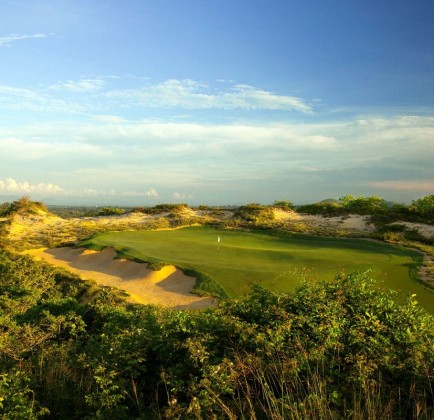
(337, 349)
(424, 207)
(167, 208)
(329, 208)
(111, 211)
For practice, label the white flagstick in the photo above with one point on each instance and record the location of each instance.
(218, 243)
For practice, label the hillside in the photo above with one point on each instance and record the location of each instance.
(329, 349)
(29, 225)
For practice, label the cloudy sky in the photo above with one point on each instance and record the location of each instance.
(142, 102)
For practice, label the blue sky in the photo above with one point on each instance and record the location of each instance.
(141, 102)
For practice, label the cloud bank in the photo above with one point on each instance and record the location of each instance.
(187, 140)
(12, 186)
(205, 162)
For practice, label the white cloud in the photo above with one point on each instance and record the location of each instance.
(109, 119)
(119, 192)
(9, 39)
(181, 196)
(249, 97)
(151, 193)
(181, 156)
(79, 86)
(41, 144)
(18, 99)
(190, 94)
(10, 185)
(96, 95)
(91, 191)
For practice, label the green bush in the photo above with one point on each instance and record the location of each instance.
(111, 211)
(332, 350)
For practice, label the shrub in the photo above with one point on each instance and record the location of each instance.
(110, 211)
(337, 349)
(255, 213)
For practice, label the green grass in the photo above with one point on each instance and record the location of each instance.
(276, 262)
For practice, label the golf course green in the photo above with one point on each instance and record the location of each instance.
(237, 259)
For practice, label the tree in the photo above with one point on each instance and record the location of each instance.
(424, 206)
(364, 205)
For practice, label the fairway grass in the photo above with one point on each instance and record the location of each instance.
(242, 258)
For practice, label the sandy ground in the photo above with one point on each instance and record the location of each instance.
(168, 287)
(425, 230)
(353, 222)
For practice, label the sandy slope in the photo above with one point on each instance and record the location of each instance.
(352, 222)
(168, 287)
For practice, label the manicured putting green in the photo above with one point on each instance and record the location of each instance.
(242, 258)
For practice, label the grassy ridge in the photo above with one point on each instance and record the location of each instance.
(242, 259)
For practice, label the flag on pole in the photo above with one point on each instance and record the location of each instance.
(218, 239)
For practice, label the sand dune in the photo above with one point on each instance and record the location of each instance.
(168, 287)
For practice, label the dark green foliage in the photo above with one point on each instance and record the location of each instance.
(424, 207)
(5, 209)
(348, 204)
(69, 212)
(339, 349)
(381, 212)
(163, 208)
(111, 211)
(363, 205)
(323, 207)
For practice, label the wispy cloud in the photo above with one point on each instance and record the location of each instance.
(7, 40)
(18, 99)
(83, 85)
(96, 94)
(190, 94)
(112, 192)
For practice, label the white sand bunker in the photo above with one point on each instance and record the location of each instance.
(168, 287)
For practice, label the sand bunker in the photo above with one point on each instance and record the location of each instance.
(168, 287)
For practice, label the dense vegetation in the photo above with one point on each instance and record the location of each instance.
(381, 210)
(338, 349)
(341, 348)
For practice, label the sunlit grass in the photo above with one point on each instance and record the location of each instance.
(243, 258)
